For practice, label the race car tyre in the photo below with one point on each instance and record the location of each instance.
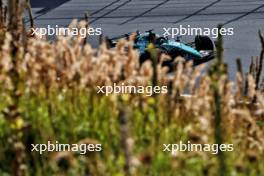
(203, 43)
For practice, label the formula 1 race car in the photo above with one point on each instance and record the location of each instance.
(200, 51)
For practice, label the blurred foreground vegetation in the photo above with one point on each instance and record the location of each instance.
(48, 93)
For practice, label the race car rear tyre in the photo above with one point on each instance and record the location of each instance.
(203, 43)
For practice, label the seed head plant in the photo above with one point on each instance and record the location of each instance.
(48, 92)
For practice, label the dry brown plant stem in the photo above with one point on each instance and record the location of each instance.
(218, 71)
(124, 130)
(260, 64)
(30, 14)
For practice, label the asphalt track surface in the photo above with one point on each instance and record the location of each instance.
(117, 17)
